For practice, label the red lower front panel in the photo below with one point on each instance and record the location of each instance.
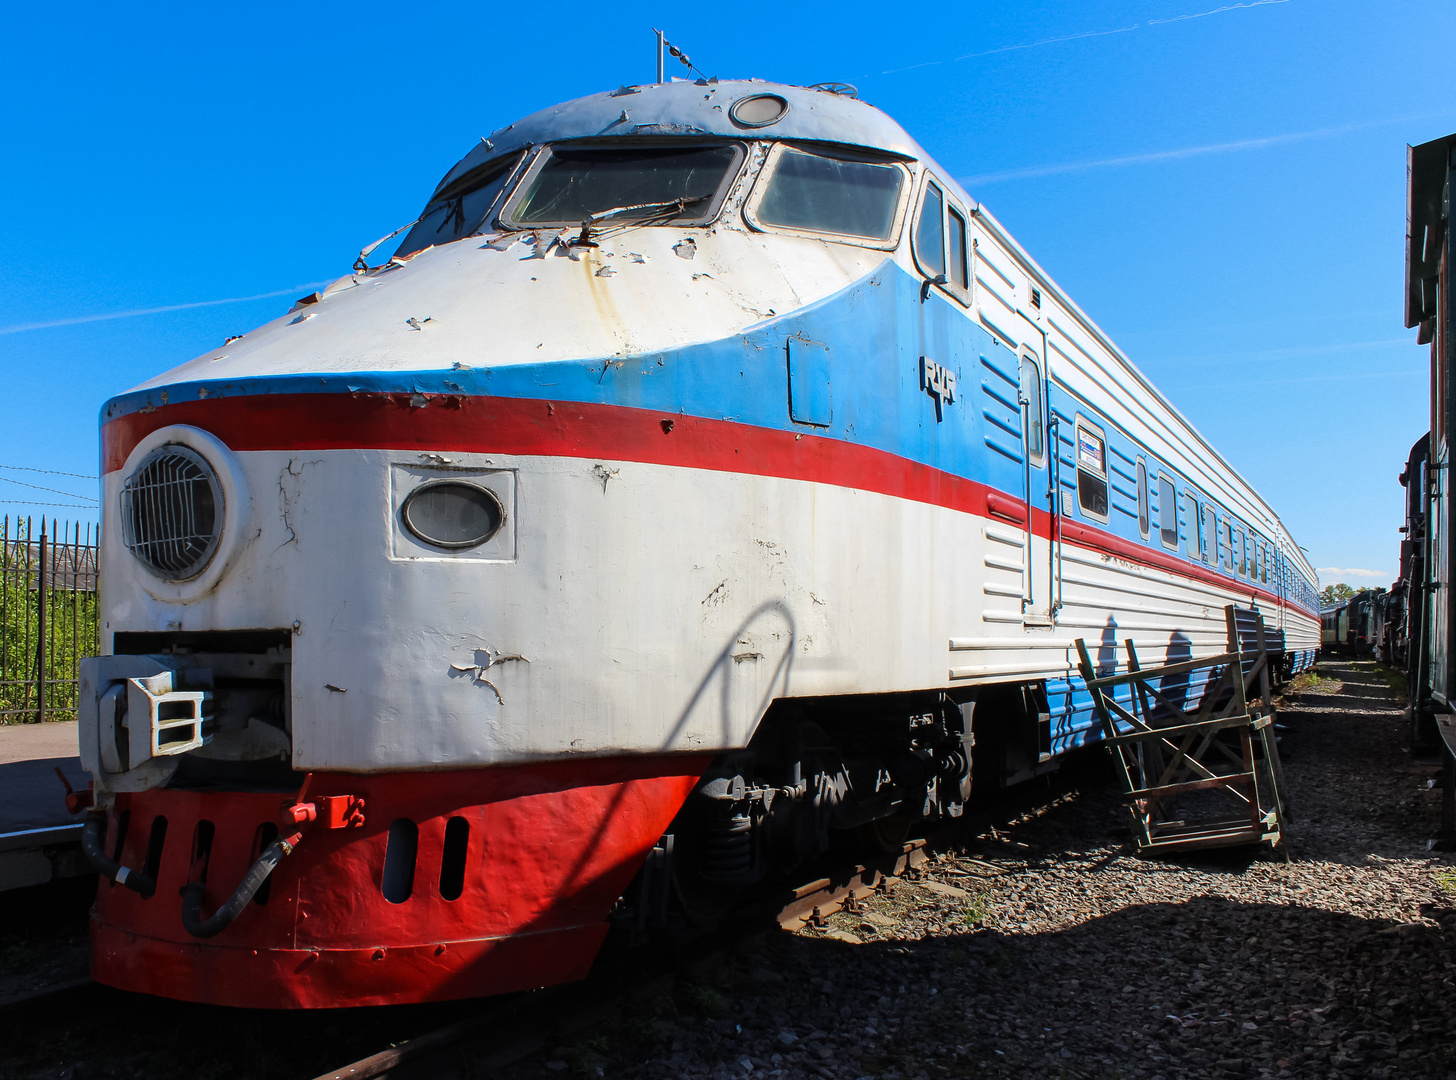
(544, 852)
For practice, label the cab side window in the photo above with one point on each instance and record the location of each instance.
(942, 242)
(930, 232)
(955, 228)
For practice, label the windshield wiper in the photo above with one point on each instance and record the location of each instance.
(361, 264)
(675, 206)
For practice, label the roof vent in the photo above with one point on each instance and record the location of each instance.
(843, 89)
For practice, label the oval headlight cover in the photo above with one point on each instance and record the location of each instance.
(452, 514)
(172, 512)
(759, 110)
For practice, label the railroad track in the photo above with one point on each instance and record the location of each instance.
(512, 1028)
(59, 995)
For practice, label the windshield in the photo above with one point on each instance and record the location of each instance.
(832, 195)
(461, 214)
(661, 184)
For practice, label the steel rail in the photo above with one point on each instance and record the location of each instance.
(63, 993)
(539, 1017)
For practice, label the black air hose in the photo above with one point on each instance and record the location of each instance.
(91, 845)
(252, 881)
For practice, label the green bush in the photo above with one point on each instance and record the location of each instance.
(72, 618)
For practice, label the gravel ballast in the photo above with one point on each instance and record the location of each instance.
(1048, 949)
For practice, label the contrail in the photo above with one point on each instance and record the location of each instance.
(1185, 152)
(20, 328)
(1215, 11)
(1079, 37)
(1027, 45)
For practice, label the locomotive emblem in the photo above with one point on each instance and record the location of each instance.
(939, 382)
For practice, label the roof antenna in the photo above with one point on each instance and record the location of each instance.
(676, 54)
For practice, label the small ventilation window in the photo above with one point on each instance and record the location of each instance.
(202, 835)
(266, 834)
(452, 861)
(123, 823)
(156, 839)
(399, 860)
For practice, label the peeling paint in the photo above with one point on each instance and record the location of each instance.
(602, 473)
(485, 659)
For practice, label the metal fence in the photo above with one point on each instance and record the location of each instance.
(49, 616)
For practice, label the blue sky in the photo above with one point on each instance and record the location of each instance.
(1221, 186)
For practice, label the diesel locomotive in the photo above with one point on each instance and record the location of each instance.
(705, 476)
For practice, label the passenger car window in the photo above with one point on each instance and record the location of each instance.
(1210, 534)
(824, 194)
(1167, 512)
(652, 184)
(1142, 498)
(1228, 545)
(460, 211)
(1092, 472)
(929, 232)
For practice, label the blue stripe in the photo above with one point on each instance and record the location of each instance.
(874, 331)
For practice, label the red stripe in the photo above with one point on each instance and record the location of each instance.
(529, 426)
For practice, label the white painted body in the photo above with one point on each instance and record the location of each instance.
(632, 607)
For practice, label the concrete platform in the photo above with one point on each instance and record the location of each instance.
(30, 795)
(39, 840)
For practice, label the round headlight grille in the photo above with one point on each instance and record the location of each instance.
(171, 512)
(452, 514)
